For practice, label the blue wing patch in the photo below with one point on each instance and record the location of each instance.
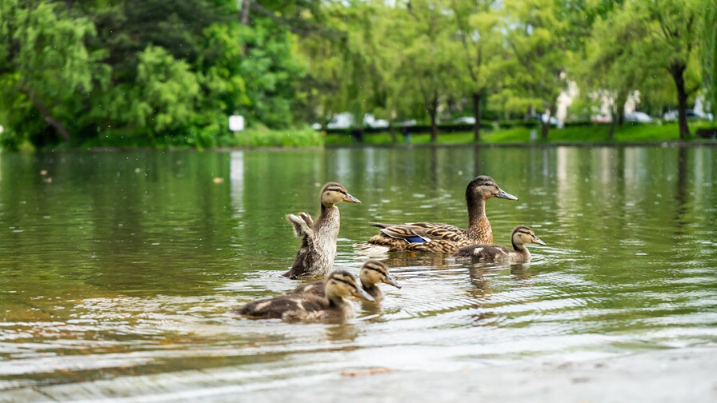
(415, 239)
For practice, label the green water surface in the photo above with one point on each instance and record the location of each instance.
(125, 266)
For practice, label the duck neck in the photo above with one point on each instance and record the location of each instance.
(327, 214)
(521, 249)
(372, 290)
(478, 224)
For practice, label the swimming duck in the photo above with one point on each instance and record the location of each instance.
(372, 273)
(308, 307)
(441, 238)
(498, 253)
(318, 239)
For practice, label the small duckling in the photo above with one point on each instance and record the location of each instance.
(498, 253)
(310, 307)
(318, 239)
(372, 273)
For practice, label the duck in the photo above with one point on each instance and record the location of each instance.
(372, 273)
(520, 236)
(333, 304)
(318, 238)
(441, 238)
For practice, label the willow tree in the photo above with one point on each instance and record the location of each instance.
(45, 67)
(428, 55)
(534, 71)
(670, 32)
(477, 24)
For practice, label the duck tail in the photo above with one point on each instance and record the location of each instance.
(302, 225)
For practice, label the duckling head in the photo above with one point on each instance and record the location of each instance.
(484, 187)
(374, 272)
(333, 193)
(340, 284)
(522, 235)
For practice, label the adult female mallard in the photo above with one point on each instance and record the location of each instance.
(372, 273)
(441, 238)
(318, 239)
(308, 307)
(498, 253)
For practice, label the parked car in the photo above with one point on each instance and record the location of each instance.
(691, 114)
(464, 120)
(345, 120)
(316, 126)
(553, 121)
(641, 117)
(601, 119)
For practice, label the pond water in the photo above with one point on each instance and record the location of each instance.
(123, 267)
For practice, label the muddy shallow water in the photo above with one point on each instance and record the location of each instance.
(125, 266)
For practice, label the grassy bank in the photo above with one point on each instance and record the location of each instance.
(576, 134)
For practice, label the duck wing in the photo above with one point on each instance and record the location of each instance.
(421, 232)
(483, 253)
(303, 225)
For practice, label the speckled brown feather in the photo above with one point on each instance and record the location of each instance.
(441, 238)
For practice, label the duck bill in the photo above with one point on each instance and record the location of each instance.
(351, 199)
(538, 241)
(503, 195)
(360, 293)
(390, 280)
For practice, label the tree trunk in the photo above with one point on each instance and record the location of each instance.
(434, 126)
(613, 123)
(245, 5)
(613, 117)
(392, 131)
(620, 109)
(47, 117)
(476, 115)
(544, 126)
(677, 71)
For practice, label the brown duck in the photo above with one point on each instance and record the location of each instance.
(372, 273)
(441, 238)
(318, 238)
(333, 304)
(497, 253)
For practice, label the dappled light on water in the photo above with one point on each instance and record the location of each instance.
(119, 277)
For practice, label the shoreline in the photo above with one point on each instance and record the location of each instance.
(657, 143)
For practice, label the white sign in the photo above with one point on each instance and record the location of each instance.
(236, 123)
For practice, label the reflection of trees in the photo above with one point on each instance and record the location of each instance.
(681, 191)
(476, 160)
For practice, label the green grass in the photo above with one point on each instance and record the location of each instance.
(580, 134)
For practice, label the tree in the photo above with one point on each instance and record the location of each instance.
(670, 32)
(533, 79)
(428, 55)
(709, 55)
(478, 29)
(45, 67)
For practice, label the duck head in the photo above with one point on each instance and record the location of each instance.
(522, 235)
(374, 272)
(333, 193)
(484, 187)
(341, 284)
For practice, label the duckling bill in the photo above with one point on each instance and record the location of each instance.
(372, 273)
(333, 304)
(318, 238)
(520, 236)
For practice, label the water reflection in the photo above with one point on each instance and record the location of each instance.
(128, 264)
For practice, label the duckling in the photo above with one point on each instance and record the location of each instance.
(318, 239)
(372, 273)
(441, 238)
(308, 307)
(498, 253)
